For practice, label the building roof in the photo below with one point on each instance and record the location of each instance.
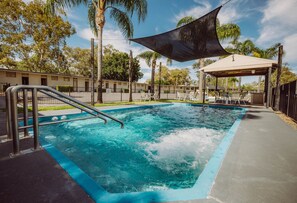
(239, 65)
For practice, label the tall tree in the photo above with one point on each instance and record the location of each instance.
(268, 53)
(151, 58)
(224, 31)
(119, 10)
(11, 33)
(116, 65)
(246, 47)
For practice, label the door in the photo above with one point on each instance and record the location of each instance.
(75, 84)
(25, 80)
(44, 81)
(114, 87)
(86, 86)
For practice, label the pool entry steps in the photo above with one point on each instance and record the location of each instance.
(13, 125)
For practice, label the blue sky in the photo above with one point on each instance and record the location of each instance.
(266, 22)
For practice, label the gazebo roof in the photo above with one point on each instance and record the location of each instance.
(239, 65)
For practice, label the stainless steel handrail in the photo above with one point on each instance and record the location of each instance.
(12, 111)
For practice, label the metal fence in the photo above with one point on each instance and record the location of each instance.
(288, 99)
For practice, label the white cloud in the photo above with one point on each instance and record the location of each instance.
(279, 25)
(201, 9)
(290, 48)
(278, 22)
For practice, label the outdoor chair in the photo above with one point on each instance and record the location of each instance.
(155, 96)
(180, 96)
(193, 96)
(235, 98)
(145, 96)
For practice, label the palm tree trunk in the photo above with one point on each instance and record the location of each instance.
(239, 84)
(259, 84)
(130, 76)
(99, 67)
(201, 77)
(153, 78)
(226, 85)
(100, 20)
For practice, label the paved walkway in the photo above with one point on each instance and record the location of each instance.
(260, 166)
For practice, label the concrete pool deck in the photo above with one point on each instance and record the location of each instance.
(260, 166)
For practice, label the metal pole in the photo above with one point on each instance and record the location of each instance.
(130, 75)
(92, 72)
(14, 123)
(279, 72)
(35, 118)
(269, 88)
(25, 108)
(8, 112)
(204, 76)
(160, 69)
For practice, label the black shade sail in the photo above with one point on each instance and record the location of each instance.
(195, 40)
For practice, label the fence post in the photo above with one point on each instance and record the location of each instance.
(121, 94)
(289, 95)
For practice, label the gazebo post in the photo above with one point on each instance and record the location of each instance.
(204, 76)
(216, 83)
(269, 88)
(266, 89)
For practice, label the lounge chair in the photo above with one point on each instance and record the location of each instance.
(145, 96)
(180, 96)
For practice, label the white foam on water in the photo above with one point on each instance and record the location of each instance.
(154, 187)
(187, 148)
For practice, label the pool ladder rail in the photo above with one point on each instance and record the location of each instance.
(12, 112)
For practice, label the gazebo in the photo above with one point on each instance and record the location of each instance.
(241, 65)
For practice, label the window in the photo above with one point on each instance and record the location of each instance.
(67, 79)
(54, 77)
(11, 74)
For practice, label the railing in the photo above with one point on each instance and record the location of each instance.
(12, 112)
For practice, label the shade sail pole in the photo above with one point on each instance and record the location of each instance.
(279, 72)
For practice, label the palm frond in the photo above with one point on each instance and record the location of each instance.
(185, 20)
(123, 21)
(51, 6)
(92, 18)
(228, 31)
(131, 6)
(147, 56)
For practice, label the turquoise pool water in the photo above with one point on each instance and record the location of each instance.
(160, 148)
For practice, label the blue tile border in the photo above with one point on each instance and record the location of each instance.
(200, 190)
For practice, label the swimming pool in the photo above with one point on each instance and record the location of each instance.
(159, 155)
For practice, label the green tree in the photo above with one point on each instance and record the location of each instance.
(246, 47)
(174, 77)
(116, 65)
(119, 10)
(11, 33)
(268, 53)
(78, 60)
(287, 75)
(151, 58)
(30, 39)
(224, 32)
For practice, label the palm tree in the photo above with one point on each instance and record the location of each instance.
(246, 47)
(224, 31)
(151, 58)
(120, 10)
(267, 54)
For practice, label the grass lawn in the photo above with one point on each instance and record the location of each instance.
(62, 107)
